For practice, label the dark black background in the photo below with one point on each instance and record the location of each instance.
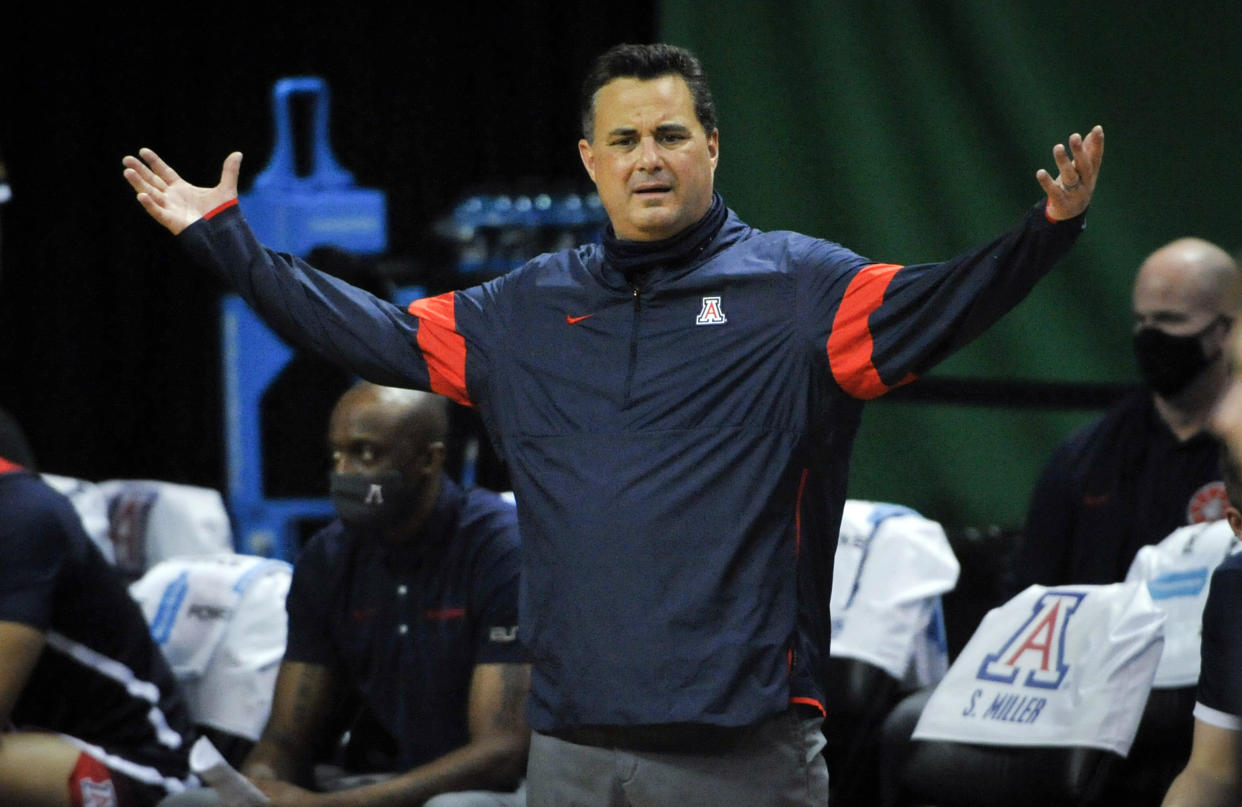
(108, 336)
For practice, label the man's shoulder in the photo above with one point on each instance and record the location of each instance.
(26, 487)
(30, 505)
(485, 539)
(488, 516)
(326, 546)
(1224, 601)
(548, 265)
(788, 244)
(1231, 568)
(567, 269)
(1134, 410)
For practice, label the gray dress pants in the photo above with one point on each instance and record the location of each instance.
(775, 762)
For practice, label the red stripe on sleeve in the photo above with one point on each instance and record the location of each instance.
(9, 467)
(211, 214)
(850, 344)
(811, 702)
(442, 346)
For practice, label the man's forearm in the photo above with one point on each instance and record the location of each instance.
(1196, 788)
(272, 759)
(308, 308)
(492, 763)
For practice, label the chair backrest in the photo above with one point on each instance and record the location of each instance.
(1178, 572)
(1160, 751)
(1044, 698)
(891, 566)
(962, 775)
(220, 621)
(860, 696)
(92, 508)
(150, 521)
(890, 569)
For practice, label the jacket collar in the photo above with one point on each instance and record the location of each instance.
(644, 264)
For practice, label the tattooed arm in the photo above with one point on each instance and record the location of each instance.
(494, 759)
(300, 705)
(498, 719)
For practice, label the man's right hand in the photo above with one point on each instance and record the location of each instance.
(171, 200)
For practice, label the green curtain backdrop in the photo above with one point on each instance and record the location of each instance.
(910, 131)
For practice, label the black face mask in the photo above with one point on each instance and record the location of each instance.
(373, 502)
(1169, 363)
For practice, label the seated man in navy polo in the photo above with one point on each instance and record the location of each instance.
(408, 602)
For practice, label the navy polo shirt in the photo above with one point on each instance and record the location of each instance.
(1220, 675)
(1116, 485)
(406, 625)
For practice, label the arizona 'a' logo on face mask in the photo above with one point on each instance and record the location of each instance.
(1038, 647)
(375, 494)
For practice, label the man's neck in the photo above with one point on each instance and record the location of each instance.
(406, 531)
(1186, 414)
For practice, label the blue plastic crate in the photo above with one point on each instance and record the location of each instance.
(295, 213)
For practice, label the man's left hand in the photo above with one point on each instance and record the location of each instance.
(1078, 169)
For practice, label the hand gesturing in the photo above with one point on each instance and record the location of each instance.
(171, 200)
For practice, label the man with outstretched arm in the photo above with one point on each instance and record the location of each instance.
(676, 406)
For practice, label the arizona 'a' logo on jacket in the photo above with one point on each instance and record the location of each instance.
(711, 313)
(1038, 647)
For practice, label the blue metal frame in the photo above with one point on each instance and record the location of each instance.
(253, 357)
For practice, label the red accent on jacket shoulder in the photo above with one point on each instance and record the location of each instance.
(442, 346)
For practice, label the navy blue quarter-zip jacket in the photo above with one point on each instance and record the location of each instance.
(678, 445)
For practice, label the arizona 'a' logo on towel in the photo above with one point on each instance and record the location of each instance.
(1038, 647)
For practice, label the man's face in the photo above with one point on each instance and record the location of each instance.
(651, 161)
(365, 437)
(1174, 296)
(1227, 416)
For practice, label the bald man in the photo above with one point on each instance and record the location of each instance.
(1149, 465)
(409, 602)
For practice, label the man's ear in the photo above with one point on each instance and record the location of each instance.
(434, 458)
(1234, 517)
(588, 157)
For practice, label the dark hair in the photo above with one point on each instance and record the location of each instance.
(1231, 474)
(646, 62)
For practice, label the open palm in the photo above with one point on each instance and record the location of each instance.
(171, 200)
